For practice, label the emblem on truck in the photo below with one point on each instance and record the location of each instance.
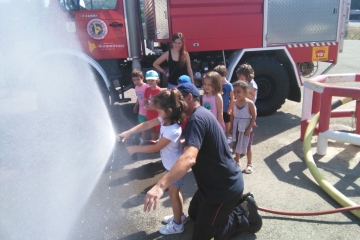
(97, 29)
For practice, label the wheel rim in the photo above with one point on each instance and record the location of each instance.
(266, 88)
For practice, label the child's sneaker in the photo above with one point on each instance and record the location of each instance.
(229, 140)
(170, 218)
(171, 228)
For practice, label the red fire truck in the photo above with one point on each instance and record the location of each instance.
(282, 40)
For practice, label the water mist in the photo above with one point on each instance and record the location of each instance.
(55, 132)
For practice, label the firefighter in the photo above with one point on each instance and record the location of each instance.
(218, 207)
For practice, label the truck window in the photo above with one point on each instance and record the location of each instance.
(97, 4)
(76, 5)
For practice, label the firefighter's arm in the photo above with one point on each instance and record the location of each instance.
(164, 57)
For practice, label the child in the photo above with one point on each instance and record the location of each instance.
(138, 79)
(228, 99)
(170, 106)
(212, 99)
(246, 73)
(181, 80)
(152, 78)
(242, 119)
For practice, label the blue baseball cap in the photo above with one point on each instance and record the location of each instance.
(184, 79)
(152, 75)
(189, 88)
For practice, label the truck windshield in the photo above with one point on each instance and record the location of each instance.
(76, 5)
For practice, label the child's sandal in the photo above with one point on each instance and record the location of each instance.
(248, 169)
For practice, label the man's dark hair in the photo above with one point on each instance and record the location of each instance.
(196, 99)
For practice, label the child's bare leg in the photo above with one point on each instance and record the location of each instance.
(249, 156)
(249, 152)
(237, 157)
(176, 202)
(227, 127)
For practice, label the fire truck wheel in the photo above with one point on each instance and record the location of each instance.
(273, 84)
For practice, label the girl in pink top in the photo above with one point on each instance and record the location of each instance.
(212, 99)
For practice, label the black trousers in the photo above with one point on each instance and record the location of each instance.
(218, 221)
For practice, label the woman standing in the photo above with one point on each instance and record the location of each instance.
(178, 61)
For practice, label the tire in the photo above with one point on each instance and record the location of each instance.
(273, 84)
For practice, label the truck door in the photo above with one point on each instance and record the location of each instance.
(100, 27)
(295, 21)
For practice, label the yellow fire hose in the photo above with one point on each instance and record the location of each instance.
(325, 185)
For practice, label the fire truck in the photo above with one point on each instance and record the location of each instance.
(283, 40)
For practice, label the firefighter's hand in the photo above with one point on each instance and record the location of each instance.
(132, 149)
(124, 135)
(152, 198)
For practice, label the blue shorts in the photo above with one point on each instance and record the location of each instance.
(178, 182)
(141, 118)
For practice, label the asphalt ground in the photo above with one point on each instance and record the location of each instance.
(280, 179)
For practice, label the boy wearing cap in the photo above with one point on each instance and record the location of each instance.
(220, 209)
(181, 80)
(152, 78)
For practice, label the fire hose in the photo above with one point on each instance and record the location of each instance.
(326, 186)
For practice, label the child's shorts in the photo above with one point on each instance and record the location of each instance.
(178, 182)
(226, 117)
(141, 118)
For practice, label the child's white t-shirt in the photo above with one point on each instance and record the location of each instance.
(171, 152)
(253, 84)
